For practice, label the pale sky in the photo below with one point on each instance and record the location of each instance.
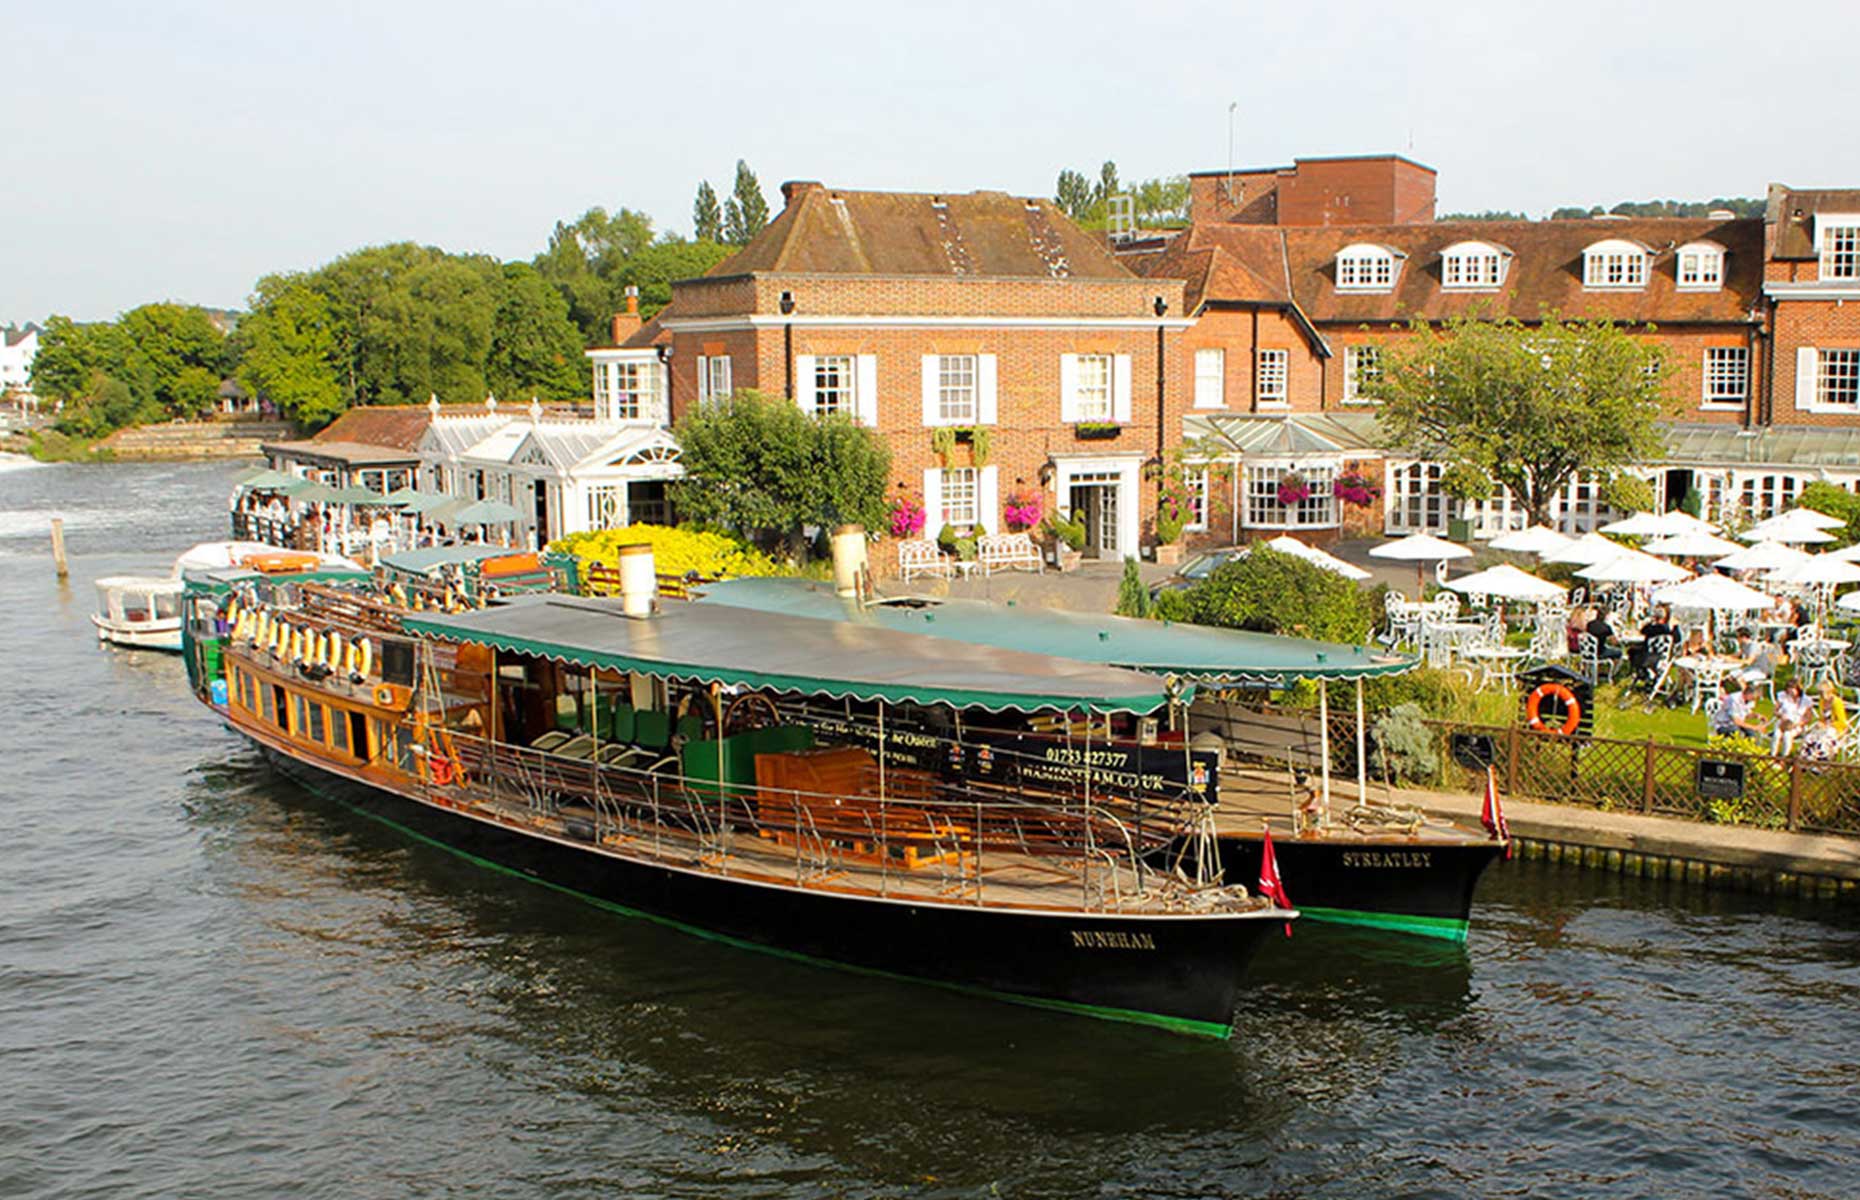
(181, 150)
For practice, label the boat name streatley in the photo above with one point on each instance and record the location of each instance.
(1388, 858)
(1103, 939)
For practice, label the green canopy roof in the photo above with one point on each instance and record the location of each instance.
(314, 493)
(355, 494)
(264, 479)
(715, 643)
(484, 512)
(416, 501)
(1198, 652)
(428, 558)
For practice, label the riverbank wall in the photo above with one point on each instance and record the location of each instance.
(194, 440)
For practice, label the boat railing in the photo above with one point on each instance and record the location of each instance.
(954, 833)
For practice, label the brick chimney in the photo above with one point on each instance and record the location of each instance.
(795, 188)
(626, 324)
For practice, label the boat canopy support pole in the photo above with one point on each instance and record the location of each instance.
(884, 824)
(1324, 743)
(1362, 759)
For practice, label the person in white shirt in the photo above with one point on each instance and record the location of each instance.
(1793, 709)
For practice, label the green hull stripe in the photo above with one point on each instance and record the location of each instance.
(1207, 1029)
(1451, 929)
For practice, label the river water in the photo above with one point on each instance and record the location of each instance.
(215, 984)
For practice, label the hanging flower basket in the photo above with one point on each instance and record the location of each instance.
(1293, 489)
(1023, 511)
(1357, 490)
(907, 517)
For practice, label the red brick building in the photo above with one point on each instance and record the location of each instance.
(990, 315)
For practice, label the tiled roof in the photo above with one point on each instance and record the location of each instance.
(15, 336)
(399, 426)
(1299, 263)
(824, 231)
(1791, 213)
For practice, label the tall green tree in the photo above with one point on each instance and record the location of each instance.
(654, 269)
(764, 470)
(61, 369)
(173, 340)
(746, 213)
(706, 214)
(1108, 184)
(294, 355)
(534, 348)
(1072, 193)
(1524, 407)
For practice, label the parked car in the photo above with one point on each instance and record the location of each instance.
(1196, 569)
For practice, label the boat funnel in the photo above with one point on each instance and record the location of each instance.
(639, 580)
(849, 560)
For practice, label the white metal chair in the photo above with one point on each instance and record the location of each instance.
(1590, 660)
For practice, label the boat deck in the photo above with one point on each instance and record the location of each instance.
(1252, 796)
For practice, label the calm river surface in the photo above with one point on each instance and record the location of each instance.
(214, 984)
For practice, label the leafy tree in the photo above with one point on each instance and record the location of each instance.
(746, 212)
(762, 469)
(1490, 214)
(1526, 408)
(293, 356)
(171, 340)
(656, 267)
(534, 349)
(194, 392)
(104, 404)
(706, 215)
(61, 369)
(1072, 193)
(1162, 201)
(1272, 592)
(1835, 501)
(1108, 185)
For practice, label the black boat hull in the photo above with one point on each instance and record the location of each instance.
(1177, 972)
(1418, 887)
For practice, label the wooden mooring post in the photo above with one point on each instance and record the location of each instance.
(58, 548)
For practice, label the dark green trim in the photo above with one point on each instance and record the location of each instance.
(1207, 1029)
(1450, 929)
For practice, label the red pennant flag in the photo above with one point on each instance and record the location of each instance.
(1270, 885)
(1492, 812)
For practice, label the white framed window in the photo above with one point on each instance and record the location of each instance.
(1361, 365)
(1416, 501)
(1265, 510)
(1469, 266)
(1274, 372)
(1614, 264)
(1727, 376)
(602, 390)
(1837, 238)
(835, 385)
(1195, 480)
(1763, 496)
(960, 498)
(1580, 508)
(606, 505)
(1210, 379)
(1091, 396)
(1837, 379)
(1366, 268)
(631, 386)
(956, 389)
(1699, 267)
(713, 378)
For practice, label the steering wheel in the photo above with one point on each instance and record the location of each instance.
(751, 710)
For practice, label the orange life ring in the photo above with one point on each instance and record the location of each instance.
(1572, 707)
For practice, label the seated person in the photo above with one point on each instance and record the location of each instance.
(1761, 658)
(1660, 625)
(1578, 624)
(1824, 734)
(1606, 645)
(1738, 712)
(1695, 645)
(1793, 709)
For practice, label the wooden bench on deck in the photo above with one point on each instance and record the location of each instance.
(833, 793)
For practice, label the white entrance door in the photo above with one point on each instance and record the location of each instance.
(1107, 522)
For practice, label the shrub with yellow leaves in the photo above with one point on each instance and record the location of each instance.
(674, 551)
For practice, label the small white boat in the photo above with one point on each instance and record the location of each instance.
(143, 611)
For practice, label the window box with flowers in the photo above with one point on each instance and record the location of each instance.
(1097, 431)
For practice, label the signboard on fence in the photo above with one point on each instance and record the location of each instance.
(1720, 780)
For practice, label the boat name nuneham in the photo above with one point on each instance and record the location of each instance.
(1388, 858)
(1102, 939)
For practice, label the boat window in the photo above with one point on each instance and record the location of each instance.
(338, 730)
(274, 712)
(300, 719)
(167, 606)
(358, 735)
(316, 722)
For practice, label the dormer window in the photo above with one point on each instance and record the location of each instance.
(1616, 264)
(1837, 241)
(1700, 267)
(1366, 268)
(1469, 266)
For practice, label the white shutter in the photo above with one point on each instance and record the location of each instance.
(865, 389)
(1068, 388)
(1120, 388)
(804, 382)
(930, 390)
(988, 499)
(1806, 361)
(933, 502)
(703, 379)
(985, 389)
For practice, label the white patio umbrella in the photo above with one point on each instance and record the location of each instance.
(1714, 593)
(1641, 524)
(1691, 545)
(1764, 556)
(1538, 539)
(1507, 582)
(1311, 554)
(1419, 548)
(1813, 517)
(1676, 521)
(1586, 551)
(1845, 553)
(1818, 570)
(1850, 602)
(1631, 566)
(1796, 527)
